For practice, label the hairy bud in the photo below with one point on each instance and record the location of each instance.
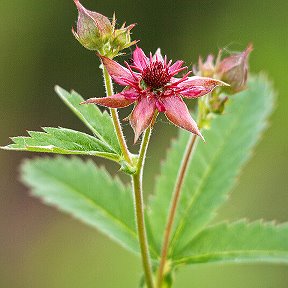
(234, 69)
(93, 29)
(122, 37)
(95, 32)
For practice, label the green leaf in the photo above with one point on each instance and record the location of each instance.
(214, 167)
(238, 242)
(62, 141)
(85, 191)
(99, 123)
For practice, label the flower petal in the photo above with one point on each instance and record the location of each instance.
(158, 56)
(177, 112)
(193, 92)
(117, 72)
(175, 67)
(130, 94)
(159, 105)
(140, 59)
(191, 87)
(142, 116)
(114, 101)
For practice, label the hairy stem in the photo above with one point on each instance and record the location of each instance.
(115, 118)
(174, 203)
(136, 181)
(139, 209)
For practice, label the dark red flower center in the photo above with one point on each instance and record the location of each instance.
(156, 75)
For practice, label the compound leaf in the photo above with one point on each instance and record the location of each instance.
(238, 242)
(85, 191)
(100, 123)
(214, 167)
(62, 141)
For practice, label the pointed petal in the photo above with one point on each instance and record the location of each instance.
(114, 101)
(159, 105)
(140, 59)
(194, 92)
(158, 55)
(130, 94)
(176, 66)
(204, 81)
(192, 86)
(117, 72)
(177, 112)
(142, 116)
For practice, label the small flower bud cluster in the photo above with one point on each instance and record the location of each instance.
(233, 70)
(95, 32)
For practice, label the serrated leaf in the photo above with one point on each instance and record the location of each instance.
(214, 167)
(99, 123)
(62, 141)
(85, 191)
(238, 242)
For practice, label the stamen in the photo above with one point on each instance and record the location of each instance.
(136, 68)
(156, 75)
(130, 83)
(178, 70)
(184, 78)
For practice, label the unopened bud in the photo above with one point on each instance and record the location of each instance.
(96, 32)
(234, 69)
(122, 37)
(93, 29)
(205, 69)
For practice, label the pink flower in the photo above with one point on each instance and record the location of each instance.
(154, 88)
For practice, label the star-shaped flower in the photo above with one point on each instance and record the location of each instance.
(154, 87)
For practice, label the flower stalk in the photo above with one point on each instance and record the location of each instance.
(174, 204)
(115, 118)
(139, 209)
(136, 180)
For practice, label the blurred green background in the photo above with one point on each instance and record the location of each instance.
(40, 247)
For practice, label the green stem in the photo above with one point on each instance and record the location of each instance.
(115, 118)
(139, 209)
(174, 203)
(136, 181)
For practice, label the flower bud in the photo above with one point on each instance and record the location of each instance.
(234, 69)
(122, 37)
(93, 29)
(96, 32)
(205, 69)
